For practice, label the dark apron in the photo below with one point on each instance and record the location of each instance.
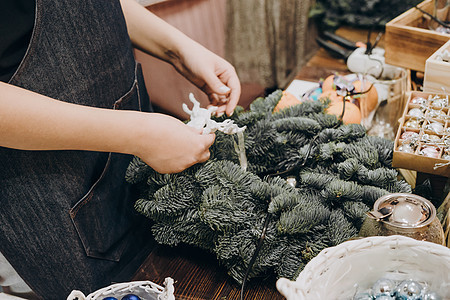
(66, 217)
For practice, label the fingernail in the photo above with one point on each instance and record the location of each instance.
(223, 98)
(224, 89)
(220, 114)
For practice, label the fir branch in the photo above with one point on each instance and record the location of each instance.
(325, 120)
(301, 124)
(328, 151)
(302, 218)
(137, 171)
(305, 109)
(223, 213)
(173, 198)
(316, 180)
(372, 193)
(337, 191)
(364, 153)
(348, 169)
(339, 228)
(355, 212)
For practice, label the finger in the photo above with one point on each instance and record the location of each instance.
(209, 139)
(205, 156)
(234, 96)
(220, 110)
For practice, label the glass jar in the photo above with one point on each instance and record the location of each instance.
(404, 214)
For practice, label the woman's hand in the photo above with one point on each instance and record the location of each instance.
(170, 146)
(212, 74)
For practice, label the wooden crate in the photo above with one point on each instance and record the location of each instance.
(415, 161)
(437, 73)
(409, 42)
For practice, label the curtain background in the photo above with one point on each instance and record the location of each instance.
(269, 41)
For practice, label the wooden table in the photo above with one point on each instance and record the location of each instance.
(197, 274)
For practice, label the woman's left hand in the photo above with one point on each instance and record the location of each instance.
(212, 74)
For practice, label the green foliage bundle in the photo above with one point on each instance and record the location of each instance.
(217, 206)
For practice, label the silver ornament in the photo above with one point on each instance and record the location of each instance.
(418, 100)
(429, 151)
(431, 296)
(435, 113)
(416, 113)
(383, 286)
(409, 136)
(407, 148)
(408, 290)
(431, 138)
(435, 127)
(363, 296)
(412, 123)
(439, 102)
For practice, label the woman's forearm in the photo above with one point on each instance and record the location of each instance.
(30, 121)
(151, 34)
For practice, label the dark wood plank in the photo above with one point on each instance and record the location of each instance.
(198, 275)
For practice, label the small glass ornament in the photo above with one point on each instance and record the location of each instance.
(130, 297)
(430, 296)
(408, 290)
(419, 100)
(413, 123)
(384, 297)
(431, 138)
(363, 296)
(438, 102)
(407, 148)
(383, 286)
(291, 181)
(430, 151)
(436, 113)
(416, 113)
(405, 214)
(409, 136)
(435, 127)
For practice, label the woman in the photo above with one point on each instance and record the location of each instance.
(72, 114)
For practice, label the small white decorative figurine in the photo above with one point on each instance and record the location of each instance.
(200, 118)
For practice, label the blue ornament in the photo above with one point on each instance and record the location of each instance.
(431, 296)
(383, 286)
(408, 290)
(110, 298)
(130, 297)
(363, 296)
(384, 297)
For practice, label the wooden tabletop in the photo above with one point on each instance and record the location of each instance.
(198, 275)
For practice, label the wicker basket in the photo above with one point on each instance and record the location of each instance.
(145, 290)
(354, 266)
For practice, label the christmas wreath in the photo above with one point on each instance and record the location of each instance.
(339, 172)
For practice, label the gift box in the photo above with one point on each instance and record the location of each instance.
(422, 142)
(437, 71)
(409, 41)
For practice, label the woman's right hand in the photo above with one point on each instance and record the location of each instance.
(169, 145)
